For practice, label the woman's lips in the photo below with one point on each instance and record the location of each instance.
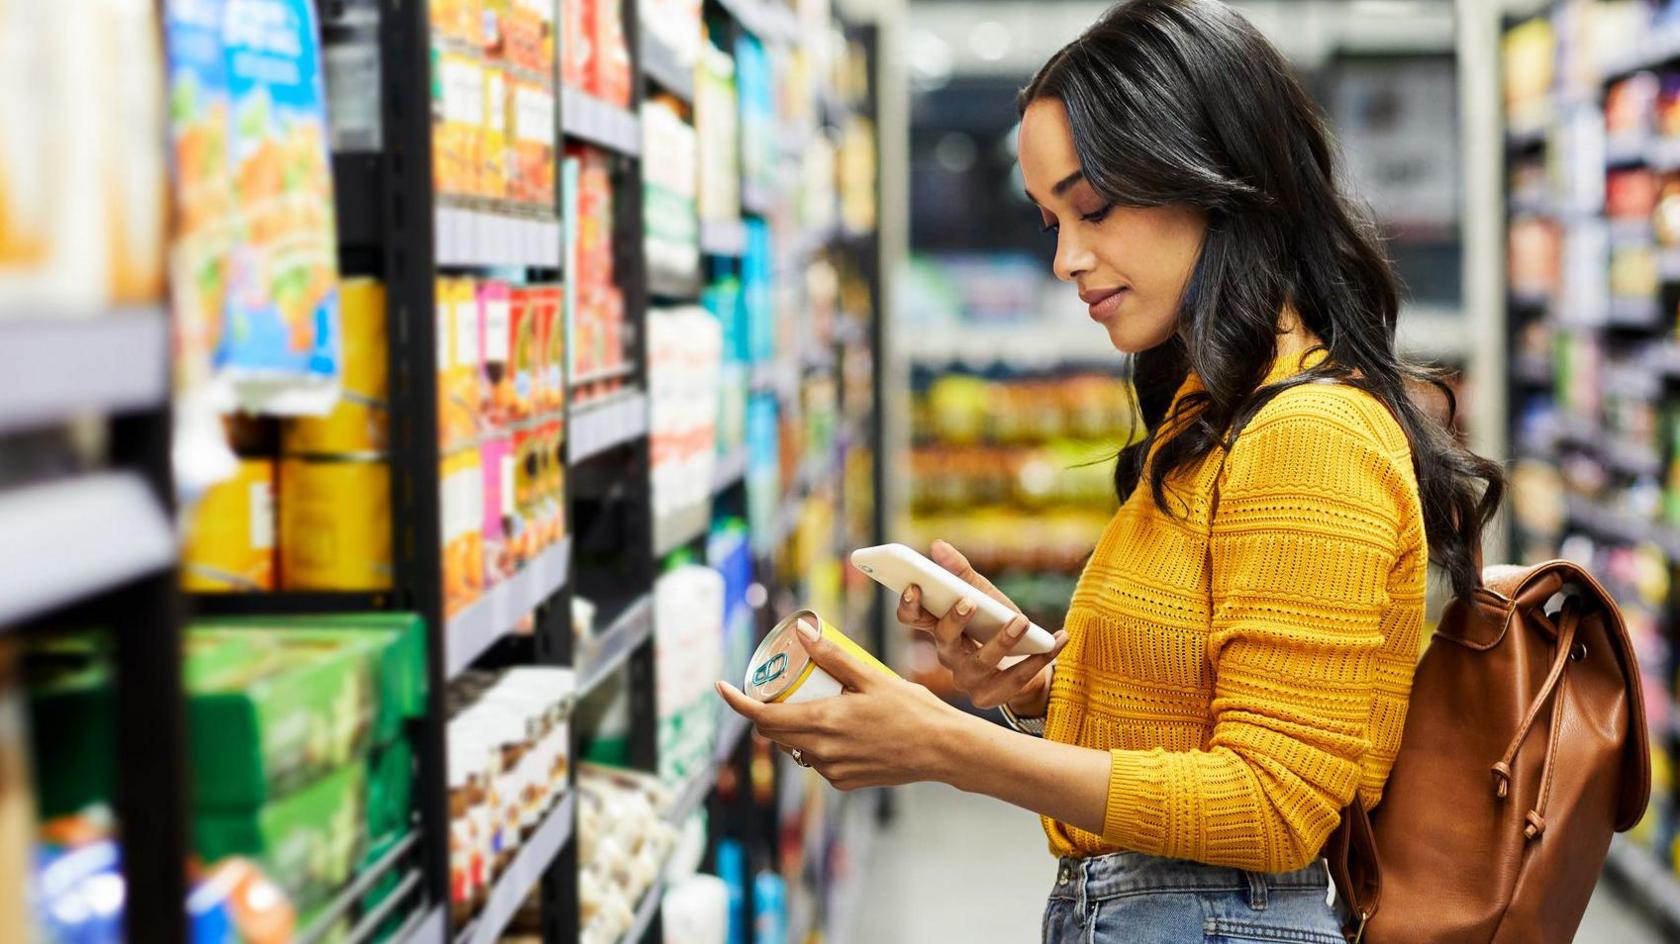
(1103, 304)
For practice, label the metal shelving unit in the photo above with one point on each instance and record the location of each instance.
(58, 567)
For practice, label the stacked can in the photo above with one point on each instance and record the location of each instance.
(334, 471)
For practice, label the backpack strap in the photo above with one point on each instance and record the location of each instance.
(1352, 855)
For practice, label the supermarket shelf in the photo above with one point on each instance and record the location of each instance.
(664, 284)
(755, 199)
(720, 238)
(1625, 150)
(121, 358)
(1611, 525)
(527, 869)
(609, 650)
(1634, 312)
(1631, 233)
(1664, 358)
(661, 64)
(587, 118)
(644, 913)
(770, 22)
(431, 927)
(730, 468)
(347, 898)
(367, 926)
(730, 732)
(606, 423)
(604, 373)
(1652, 884)
(493, 615)
(1038, 343)
(70, 539)
(1654, 49)
(678, 528)
(1531, 300)
(468, 236)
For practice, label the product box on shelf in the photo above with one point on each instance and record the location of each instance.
(716, 120)
(688, 611)
(509, 748)
(82, 182)
(264, 718)
(462, 485)
(577, 55)
(532, 125)
(549, 356)
(494, 326)
(460, 20)
(458, 116)
(281, 346)
(520, 382)
(502, 527)
(495, 158)
(309, 840)
(611, 55)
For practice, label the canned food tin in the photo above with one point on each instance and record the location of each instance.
(335, 523)
(781, 671)
(360, 422)
(229, 541)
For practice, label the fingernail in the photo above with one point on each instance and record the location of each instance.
(1016, 630)
(965, 607)
(909, 593)
(809, 630)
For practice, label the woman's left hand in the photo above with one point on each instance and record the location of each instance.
(883, 731)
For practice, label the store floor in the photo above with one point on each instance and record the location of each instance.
(958, 867)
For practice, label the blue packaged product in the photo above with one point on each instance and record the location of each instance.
(732, 868)
(280, 347)
(770, 920)
(81, 893)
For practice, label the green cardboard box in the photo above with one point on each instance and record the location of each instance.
(308, 841)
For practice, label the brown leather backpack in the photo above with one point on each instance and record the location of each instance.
(1524, 748)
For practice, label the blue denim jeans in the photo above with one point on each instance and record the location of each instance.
(1143, 899)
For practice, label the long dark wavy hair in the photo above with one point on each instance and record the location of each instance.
(1185, 103)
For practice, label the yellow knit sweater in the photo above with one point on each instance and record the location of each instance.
(1248, 677)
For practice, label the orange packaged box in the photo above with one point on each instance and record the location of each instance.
(462, 499)
(495, 163)
(531, 120)
(547, 367)
(458, 124)
(520, 379)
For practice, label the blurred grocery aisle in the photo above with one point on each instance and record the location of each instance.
(408, 410)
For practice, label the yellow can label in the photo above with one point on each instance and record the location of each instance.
(228, 543)
(335, 525)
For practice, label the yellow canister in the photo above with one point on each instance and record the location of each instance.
(781, 671)
(360, 422)
(335, 522)
(228, 544)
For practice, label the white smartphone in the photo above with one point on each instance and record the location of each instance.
(896, 566)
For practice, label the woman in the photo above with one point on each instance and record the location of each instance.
(1237, 656)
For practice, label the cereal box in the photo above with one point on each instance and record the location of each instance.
(531, 116)
(458, 107)
(281, 344)
(495, 336)
(494, 162)
(522, 354)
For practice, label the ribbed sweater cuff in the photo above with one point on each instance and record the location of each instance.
(1139, 785)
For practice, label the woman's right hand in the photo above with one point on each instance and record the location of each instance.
(979, 671)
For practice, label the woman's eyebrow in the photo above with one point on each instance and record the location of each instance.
(1060, 187)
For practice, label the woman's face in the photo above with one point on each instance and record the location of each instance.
(1131, 264)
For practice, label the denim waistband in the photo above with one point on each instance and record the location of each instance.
(1135, 873)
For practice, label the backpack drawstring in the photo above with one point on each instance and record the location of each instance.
(1568, 620)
